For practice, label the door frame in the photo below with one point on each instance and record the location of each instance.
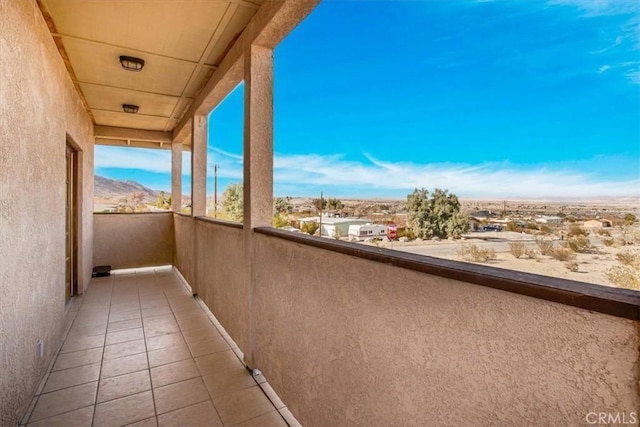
(72, 195)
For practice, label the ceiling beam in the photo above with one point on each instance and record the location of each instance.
(273, 21)
(110, 135)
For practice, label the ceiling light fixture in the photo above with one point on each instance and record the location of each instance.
(130, 108)
(131, 63)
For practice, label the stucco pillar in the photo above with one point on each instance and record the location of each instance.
(199, 166)
(176, 176)
(258, 162)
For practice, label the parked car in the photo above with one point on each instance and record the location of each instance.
(492, 228)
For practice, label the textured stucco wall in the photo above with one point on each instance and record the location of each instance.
(183, 227)
(220, 277)
(39, 107)
(133, 240)
(347, 341)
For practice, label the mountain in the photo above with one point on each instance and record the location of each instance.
(106, 188)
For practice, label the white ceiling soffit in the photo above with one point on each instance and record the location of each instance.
(181, 41)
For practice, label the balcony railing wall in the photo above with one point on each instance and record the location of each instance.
(349, 341)
(133, 240)
(184, 226)
(221, 279)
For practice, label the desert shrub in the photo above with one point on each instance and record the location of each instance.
(517, 249)
(473, 253)
(580, 244)
(406, 232)
(630, 218)
(545, 229)
(571, 266)
(624, 276)
(545, 246)
(563, 253)
(310, 227)
(514, 226)
(576, 230)
(279, 221)
(629, 258)
(531, 253)
(532, 226)
(608, 242)
(603, 232)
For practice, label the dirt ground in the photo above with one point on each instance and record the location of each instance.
(592, 267)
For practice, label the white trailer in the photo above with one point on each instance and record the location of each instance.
(365, 231)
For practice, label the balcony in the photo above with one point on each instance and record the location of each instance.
(367, 336)
(345, 335)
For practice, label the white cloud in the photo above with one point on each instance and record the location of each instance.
(634, 76)
(604, 68)
(372, 174)
(593, 8)
(150, 160)
(495, 180)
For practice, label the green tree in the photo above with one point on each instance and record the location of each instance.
(281, 206)
(318, 204)
(437, 215)
(334, 204)
(233, 202)
(162, 201)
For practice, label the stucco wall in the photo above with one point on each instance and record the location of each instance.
(220, 268)
(347, 341)
(39, 107)
(133, 240)
(183, 226)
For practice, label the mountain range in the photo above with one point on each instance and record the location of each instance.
(106, 188)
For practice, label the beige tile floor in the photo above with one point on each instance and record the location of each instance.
(141, 351)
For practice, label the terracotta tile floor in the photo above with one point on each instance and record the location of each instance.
(141, 351)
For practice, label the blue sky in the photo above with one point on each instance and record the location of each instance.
(502, 98)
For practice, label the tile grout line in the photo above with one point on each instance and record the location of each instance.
(95, 400)
(146, 351)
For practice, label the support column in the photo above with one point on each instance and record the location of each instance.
(258, 164)
(176, 176)
(199, 166)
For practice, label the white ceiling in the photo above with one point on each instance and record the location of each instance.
(181, 41)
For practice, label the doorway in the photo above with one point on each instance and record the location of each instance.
(71, 228)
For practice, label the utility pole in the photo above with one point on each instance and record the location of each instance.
(215, 191)
(320, 226)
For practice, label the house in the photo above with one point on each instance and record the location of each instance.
(598, 223)
(549, 219)
(343, 333)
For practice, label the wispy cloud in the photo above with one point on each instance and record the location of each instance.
(149, 160)
(371, 175)
(604, 68)
(633, 76)
(592, 8)
(497, 180)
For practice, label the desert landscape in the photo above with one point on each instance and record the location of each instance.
(593, 241)
(608, 250)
